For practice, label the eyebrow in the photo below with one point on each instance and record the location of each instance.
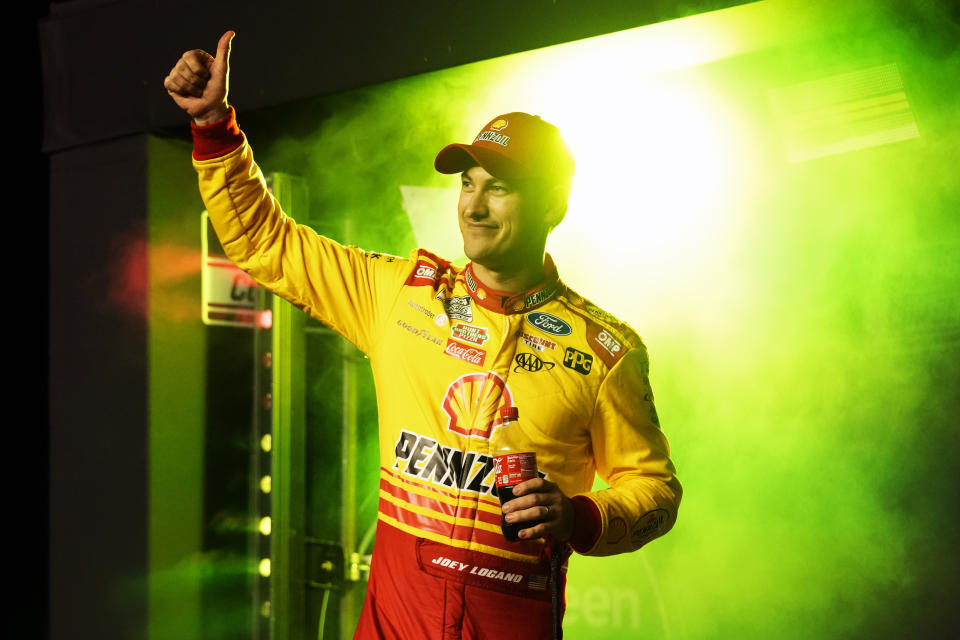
(493, 180)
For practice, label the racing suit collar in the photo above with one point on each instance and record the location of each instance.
(504, 302)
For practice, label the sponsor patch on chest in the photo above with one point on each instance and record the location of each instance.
(536, 342)
(473, 355)
(457, 307)
(549, 323)
(469, 333)
(530, 362)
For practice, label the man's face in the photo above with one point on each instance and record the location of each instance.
(503, 223)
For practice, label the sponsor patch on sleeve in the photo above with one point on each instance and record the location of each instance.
(424, 274)
(608, 347)
(427, 270)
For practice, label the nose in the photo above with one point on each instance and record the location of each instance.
(475, 205)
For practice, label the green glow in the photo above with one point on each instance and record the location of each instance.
(264, 525)
(797, 293)
(771, 288)
(266, 484)
(266, 443)
(263, 568)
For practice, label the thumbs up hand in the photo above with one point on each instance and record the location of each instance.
(198, 83)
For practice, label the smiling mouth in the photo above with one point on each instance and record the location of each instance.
(474, 225)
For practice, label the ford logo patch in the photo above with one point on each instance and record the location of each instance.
(549, 324)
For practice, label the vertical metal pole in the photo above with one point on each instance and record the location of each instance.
(348, 474)
(288, 574)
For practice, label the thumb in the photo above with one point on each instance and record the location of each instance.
(222, 61)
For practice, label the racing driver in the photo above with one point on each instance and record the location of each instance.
(449, 347)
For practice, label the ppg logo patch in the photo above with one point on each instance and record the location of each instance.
(577, 360)
(530, 362)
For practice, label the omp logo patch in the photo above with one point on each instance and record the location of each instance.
(577, 360)
(424, 271)
(472, 403)
(608, 342)
(530, 362)
(423, 274)
(603, 343)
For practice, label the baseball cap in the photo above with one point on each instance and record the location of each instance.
(512, 146)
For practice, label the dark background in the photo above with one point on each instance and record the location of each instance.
(93, 93)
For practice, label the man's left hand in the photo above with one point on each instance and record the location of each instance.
(542, 500)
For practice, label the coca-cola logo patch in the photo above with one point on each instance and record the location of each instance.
(473, 355)
(549, 323)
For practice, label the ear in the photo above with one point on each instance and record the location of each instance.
(555, 207)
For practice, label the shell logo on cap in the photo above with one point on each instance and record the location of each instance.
(499, 124)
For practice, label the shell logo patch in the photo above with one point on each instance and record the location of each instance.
(472, 403)
(499, 124)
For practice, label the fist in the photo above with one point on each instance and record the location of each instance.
(198, 83)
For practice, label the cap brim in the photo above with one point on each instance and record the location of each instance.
(457, 158)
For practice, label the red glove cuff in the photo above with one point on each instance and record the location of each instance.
(587, 524)
(216, 139)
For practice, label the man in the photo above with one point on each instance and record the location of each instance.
(449, 347)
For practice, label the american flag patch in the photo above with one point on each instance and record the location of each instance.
(538, 583)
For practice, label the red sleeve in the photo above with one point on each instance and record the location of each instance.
(586, 524)
(216, 139)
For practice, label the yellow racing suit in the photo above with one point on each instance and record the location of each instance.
(447, 352)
